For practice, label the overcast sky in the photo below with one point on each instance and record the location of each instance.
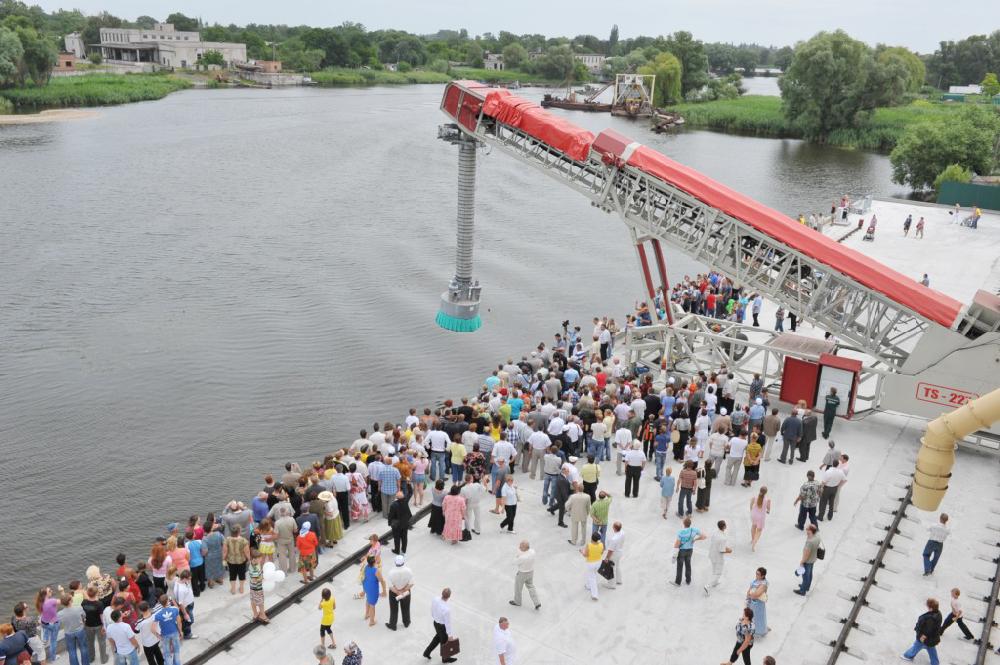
(917, 24)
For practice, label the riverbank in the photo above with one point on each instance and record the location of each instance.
(350, 77)
(94, 90)
(758, 115)
(52, 115)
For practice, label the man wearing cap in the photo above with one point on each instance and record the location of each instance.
(400, 580)
(399, 522)
(757, 412)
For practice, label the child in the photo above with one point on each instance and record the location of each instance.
(327, 604)
(267, 537)
(955, 616)
(255, 573)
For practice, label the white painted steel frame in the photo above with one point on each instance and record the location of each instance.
(869, 320)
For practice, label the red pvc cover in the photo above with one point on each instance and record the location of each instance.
(930, 304)
(535, 121)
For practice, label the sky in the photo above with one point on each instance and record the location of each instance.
(917, 24)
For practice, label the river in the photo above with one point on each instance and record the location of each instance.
(197, 289)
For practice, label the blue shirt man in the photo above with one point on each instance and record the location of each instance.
(492, 382)
(570, 377)
(166, 619)
(667, 484)
(516, 404)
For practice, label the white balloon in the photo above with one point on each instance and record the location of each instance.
(269, 575)
(279, 576)
(269, 567)
(268, 585)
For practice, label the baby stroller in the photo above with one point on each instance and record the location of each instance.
(870, 233)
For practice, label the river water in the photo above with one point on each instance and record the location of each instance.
(195, 290)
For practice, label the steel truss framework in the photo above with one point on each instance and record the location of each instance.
(698, 343)
(869, 320)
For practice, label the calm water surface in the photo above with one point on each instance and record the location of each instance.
(195, 290)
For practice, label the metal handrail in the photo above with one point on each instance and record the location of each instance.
(226, 642)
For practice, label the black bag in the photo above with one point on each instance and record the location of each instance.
(466, 535)
(607, 569)
(450, 649)
(821, 552)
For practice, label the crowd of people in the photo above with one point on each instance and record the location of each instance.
(553, 417)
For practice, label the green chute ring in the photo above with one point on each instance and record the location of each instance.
(454, 324)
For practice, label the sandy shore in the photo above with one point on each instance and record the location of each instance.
(53, 115)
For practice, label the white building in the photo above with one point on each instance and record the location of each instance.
(594, 62)
(74, 44)
(966, 89)
(493, 61)
(162, 46)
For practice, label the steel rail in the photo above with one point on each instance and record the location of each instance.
(861, 600)
(989, 620)
(226, 643)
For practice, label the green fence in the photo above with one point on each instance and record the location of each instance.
(968, 194)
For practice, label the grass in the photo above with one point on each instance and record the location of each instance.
(757, 115)
(344, 77)
(94, 90)
(6, 107)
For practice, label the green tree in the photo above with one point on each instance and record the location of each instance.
(473, 54)
(747, 59)
(667, 88)
(927, 149)
(514, 55)
(783, 57)
(39, 56)
(297, 58)
(182, 22)
(11, 53)
(145, 22)
(694, 62)
(834, 82)
(721, 57)
(613, 41)
(952, 173)
(212, 57)
(558, 63)
(991, 87)
(92, 32)
(916, 71)
(95, 57)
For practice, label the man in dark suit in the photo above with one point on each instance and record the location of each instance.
(560, 496)
(809, 426)
(399, 522)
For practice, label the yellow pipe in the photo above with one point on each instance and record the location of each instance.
(937, 449)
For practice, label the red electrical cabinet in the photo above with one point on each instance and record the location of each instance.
(811, 381)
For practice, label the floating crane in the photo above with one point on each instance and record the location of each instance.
(928, 350)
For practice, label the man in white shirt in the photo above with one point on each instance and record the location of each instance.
(525, 577)
(556, 429)
(184, 596)
(438, 441)
(623, 442)
(831, 480)
(737, 448)
(123, 640)
(635, 462)
(638, 407)
(503, 642)
(717, 449)
(362, 440)
(718, 548)
(503, 450)
(441, 616)
(614, 548)
(539, 442)
(621, 412)
(400, 581)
